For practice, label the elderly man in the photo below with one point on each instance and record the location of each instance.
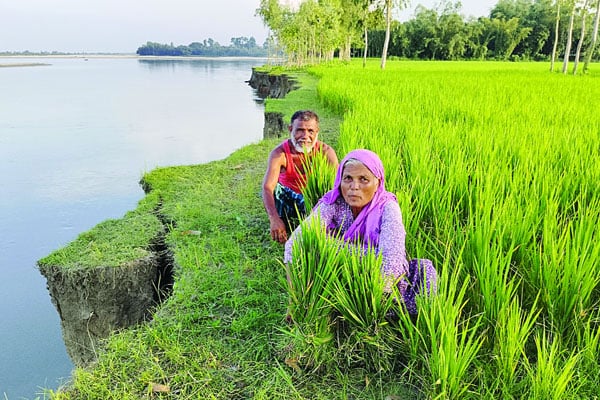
(285, 176)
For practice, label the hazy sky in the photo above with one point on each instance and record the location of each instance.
(121, 26)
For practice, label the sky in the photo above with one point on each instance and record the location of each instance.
(121, 26)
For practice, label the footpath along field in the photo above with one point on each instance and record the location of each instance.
(496, 169)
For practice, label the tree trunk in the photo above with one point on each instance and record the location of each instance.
(348, 48)
(556, 30)
(366, 47)
(569, 39)
(581, 36)
(590, 52)
(388, 24)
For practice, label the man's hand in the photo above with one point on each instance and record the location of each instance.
(278, 232)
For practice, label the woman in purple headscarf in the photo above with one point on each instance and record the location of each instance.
(363, 212)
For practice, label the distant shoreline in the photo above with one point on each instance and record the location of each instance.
(115, 56)
(125, 56)
(23, 65)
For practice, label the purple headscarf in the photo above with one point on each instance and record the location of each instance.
(366, 226)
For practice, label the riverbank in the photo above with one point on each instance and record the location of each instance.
(218, 335)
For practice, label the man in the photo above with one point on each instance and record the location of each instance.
(285, 177)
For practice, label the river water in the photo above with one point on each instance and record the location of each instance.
(75, 138)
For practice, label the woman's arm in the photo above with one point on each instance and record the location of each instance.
(392, 247)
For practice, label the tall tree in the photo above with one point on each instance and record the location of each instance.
(369, 16)
(389, 5)
(451, 32)
(590, 52)
(556, 32)
(540, 18)
(352, 15)
(565, 66)
(422, 30)
(581, 36)
(273, 16)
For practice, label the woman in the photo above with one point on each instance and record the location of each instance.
(364, 213)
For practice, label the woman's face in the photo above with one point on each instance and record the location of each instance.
(358, 185)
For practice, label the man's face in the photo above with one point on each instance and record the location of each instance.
(304, 134)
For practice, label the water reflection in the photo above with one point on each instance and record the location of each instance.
(206, 64)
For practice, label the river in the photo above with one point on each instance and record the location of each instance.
(75, 137)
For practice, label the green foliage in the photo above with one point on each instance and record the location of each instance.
(514, 30)
(240, 47)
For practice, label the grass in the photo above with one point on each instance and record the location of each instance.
(496, 170)
(111, 243)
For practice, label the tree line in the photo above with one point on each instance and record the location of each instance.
(319, 30)
(239, 47)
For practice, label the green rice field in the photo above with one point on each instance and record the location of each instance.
(497, 170)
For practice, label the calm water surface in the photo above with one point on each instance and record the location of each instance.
(75, 138)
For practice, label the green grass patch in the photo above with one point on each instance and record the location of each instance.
(111, 243)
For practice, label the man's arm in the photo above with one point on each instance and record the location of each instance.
(277, 226)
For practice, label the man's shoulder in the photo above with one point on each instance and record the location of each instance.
(324, 147)
(279, 149)
(278, 154)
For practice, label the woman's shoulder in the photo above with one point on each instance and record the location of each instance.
(391, 208)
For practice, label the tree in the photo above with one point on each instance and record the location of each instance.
(388, 6)
(366, 15)
(508, 34)
(507, 9)
(590, 52)
(274, 17)
(581, 36)
(422, 32)
(565, 66)
(351, 24)
(540, 18)
(451, 32)
(556, 31)
(478, 38)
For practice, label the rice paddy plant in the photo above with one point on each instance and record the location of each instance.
(358, 297)
(451, 340)
(513, 329)
(320, 176)
(490, 261)
(567, 273)
(552, 375)
(588, 341)
(315, 264)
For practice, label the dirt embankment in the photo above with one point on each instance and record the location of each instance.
(272, 86)
(94, 302)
